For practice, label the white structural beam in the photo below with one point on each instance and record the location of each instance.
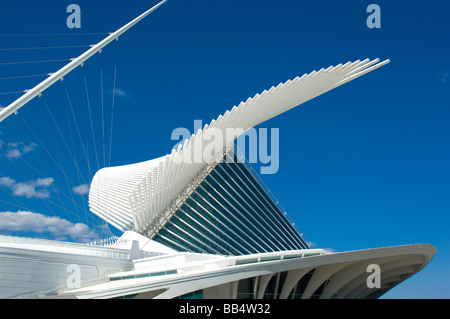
(54, 77)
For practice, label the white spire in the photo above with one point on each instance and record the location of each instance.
(54, 77)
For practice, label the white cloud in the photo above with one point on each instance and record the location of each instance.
(60, 229)
(120, 92)
(7, 181)
(81, 190)
(17, 149)
(39, 188)
(445, 76)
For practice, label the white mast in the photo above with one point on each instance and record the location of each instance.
(54, 77)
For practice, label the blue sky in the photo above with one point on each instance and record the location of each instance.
(363, 166)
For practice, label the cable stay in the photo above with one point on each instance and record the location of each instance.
(24, 76)
(46, 48)
(52, 34)
(34, 62)
(14, 92)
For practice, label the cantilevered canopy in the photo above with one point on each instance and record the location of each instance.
(134, 197)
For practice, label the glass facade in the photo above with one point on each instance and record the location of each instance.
(230, 213)
(247, 288)
(198, 294)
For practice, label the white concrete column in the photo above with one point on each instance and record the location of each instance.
(277, 283)
(263, 282)
(233, 289)
(320, 275)
(291, 280)
(255, 287)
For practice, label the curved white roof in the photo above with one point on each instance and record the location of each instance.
(345, 272)
(130, 197)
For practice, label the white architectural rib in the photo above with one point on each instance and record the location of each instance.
(133, 196)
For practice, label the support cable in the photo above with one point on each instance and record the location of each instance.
(34, 62)
(90, 116)
(79, 175)
(50, 34)
(24, 76)
(15, 92)
(46, 48)
(62, 165)
(72, 156)
(78, 129)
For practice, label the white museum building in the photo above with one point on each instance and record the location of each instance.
(205, 228)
